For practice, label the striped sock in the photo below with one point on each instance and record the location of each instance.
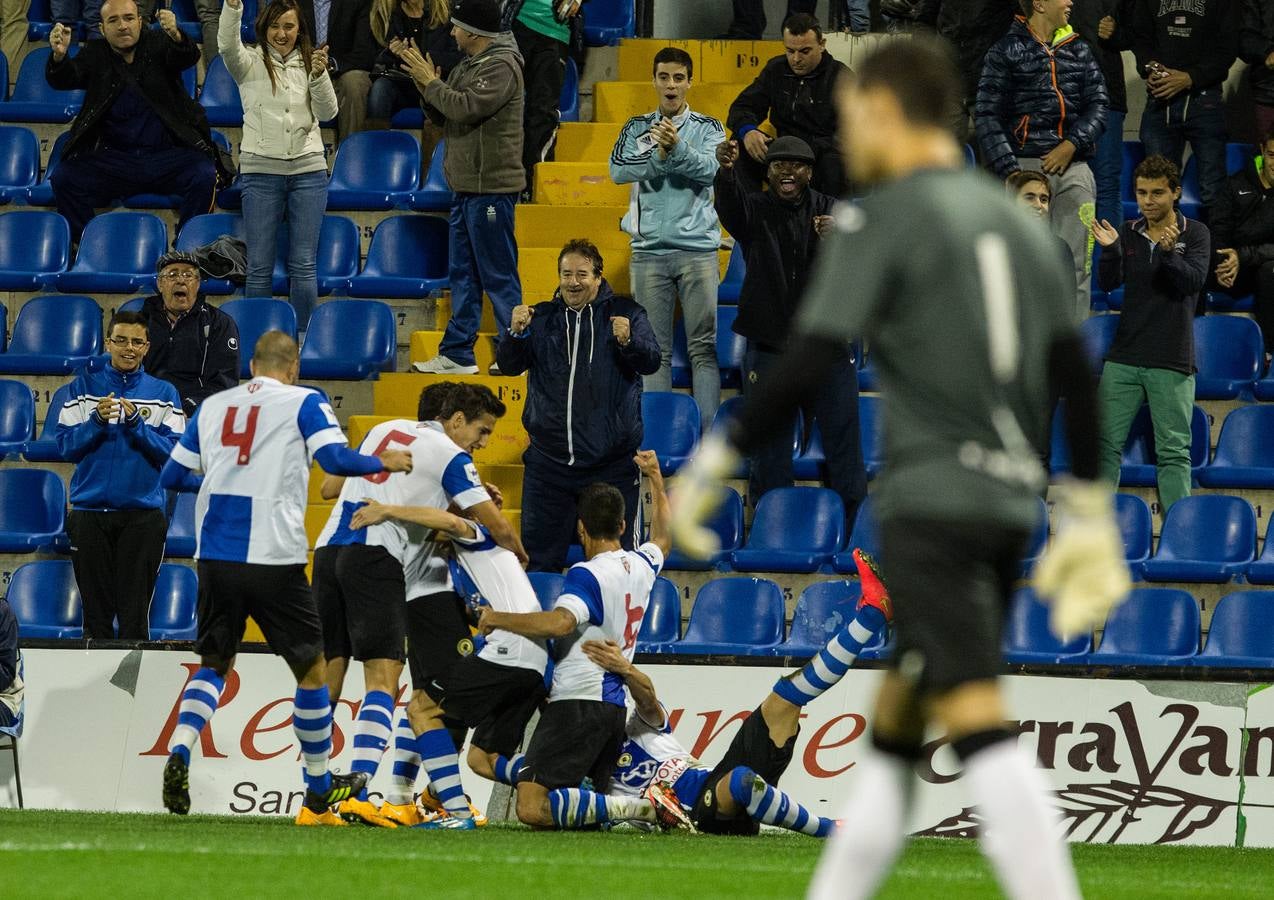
(508, 768)
(371, 734)
(312, 722)
(198, 703)
(402, 786)
(831, 663)
(438, 756)
(575, 808)
(773, 807)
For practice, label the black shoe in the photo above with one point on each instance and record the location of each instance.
(177, 785)
(343, 787)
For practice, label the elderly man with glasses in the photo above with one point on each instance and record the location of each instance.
(118, 426)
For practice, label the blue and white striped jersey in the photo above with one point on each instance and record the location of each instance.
(650, 753)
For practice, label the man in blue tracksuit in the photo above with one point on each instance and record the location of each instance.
(118, 425)
(586, 351)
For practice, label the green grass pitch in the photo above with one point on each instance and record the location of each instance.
(52, 854)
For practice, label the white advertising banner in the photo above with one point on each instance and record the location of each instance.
(1131, 762)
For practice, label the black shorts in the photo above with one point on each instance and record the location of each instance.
(374, 599)
(277, 597)
(574, 740)
(752, 748)
(495, 701)
(438, 635)
(950, 584)
(331, 607)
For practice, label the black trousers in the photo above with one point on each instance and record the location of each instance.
(1259, 282)
(749, 16)
(116, 557)
(543, 72)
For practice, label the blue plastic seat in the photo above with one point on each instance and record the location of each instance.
(174, 603)
(662, 623)
(568, 101)
(732, 283)
(742, 616)
(19, 162)
(33, 100)
(53, 335)
(822, 610)
(199, 231)
(412, 117)
(1135, 527)
(809, 460)
(1038, 540)
(41, 193)
(871, 431)
(407, 259)
(1098, 332)
(1229, 353)
(547, 587)
(117, 254)
(727, 523)
(374, 170)
(1261, 571)
(1028, 638)
(671, 424)
(435, 193)
(337, 261)
(35, 246)
(730, 347)
(1241, 634)
(1239, 156)
(349, 339)
(17, 417)
(1204, 539)
(1191, 202)
(1137, 468)
(45, 448)
(39, 20)
(1244, 452)
(46, 600)
(865, 537)
(255, 316)
(188, 21)
(730, 409)
(32, 511)
(1153, 627)
(795, 529)
(180, 542)
(220, 96)
(607, 21)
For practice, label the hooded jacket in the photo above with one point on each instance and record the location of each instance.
(799, 105)
(480, 109)
(583, 401)
(1243, 217)
(1256, 43)
(198, 354)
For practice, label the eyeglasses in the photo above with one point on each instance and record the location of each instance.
(129, 342)
(179, 275)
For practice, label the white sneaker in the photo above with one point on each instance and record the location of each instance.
(443, 365)
(494, 369)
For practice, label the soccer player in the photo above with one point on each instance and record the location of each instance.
(657, 780)
(254, 444)
(604, 598)
(968, 323)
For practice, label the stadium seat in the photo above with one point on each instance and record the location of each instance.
(865, 537)
(374, 170)
(173, 605)
(200, 231)
(1137, 468)
(1191, 202)
(1097, 333)
(53, 335)
(727, 523)
(871, 431)
(33, 100)
(607, 21)
(1229, 353)
(407, 258)
(670, 425)
(220, 96)
(349, 339)
(1135, 527)
(1204, 539)
(795, 529)
(732, 283)
(547, 586)
(40, 21)
(180, 542)
(1039, 539)
(742, 616)
(35, 246)
(1261, 571)
(46, 600)
(45, 448)
(41, 194)
(17, 417)
(1153, 627)
(136, 304)
(662, 623)
(822, 610)
(730, 347)
(730, 408)
(188, 21)
(1241, 633)
(32, 511)
(808, 463)
(568, 101)
(1028, 638)
(338, 252)
(1239, 156)
(255, 316)
(435, 194)
(19, 162)
(1245, 451)
(116, 255)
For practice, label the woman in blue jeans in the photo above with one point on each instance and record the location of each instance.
(286, 92)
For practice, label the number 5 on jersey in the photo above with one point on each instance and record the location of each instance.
(241, 440)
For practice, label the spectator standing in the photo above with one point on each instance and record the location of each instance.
(748, 20)
(11, 687)
(793, 91)
(543, 35)
(1256, 48)
(1161, 259)
(13, 28)
(1184, 51)
(138, 130)
(585, 352)
(1041, 104)
(427, 24)
(193, 345)
(344, 27)
(480, 109)
(1242, 227)
(1107, 27)
(781, 229)
(285, 83)
(669, 158)
(118, 426)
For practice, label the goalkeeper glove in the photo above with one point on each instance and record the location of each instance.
(1083, 571)
(697, 495)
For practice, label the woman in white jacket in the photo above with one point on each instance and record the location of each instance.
(285, 89)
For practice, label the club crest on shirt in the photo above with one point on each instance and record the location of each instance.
(627, 569)
(464, 646)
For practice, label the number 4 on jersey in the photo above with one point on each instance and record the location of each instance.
(633, 625)
(242, 440)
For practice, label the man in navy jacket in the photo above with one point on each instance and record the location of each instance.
(586, 351)
(118, 425)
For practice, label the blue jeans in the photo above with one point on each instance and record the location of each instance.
(266, 198)
(1107, 165)
(484, 257)
(1197, 117)
(388, 95)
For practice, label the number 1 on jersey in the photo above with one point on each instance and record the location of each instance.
(242, 440)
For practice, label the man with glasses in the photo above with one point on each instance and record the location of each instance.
(118, 426)
(193, 345)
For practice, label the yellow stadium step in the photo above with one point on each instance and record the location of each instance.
(424, 346)
(714, 61)
(578, 184)
(619, 101)
(515, 517)
(316, 516)
(538, 268)
(316, 481)
(545, 225)
(508, 478)
(585, 142)
(398, 394)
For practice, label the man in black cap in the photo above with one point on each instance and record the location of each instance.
(781, 229)
(193, 345)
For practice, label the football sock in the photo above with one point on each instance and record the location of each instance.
(769, 805)
(198, 703)
(1021, 835)
(442, 763)
(371, 734)
(508, 768)
(576, 808)
(312, 722)
(831, 663)
(406, 769)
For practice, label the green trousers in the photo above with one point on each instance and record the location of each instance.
(1170, 395)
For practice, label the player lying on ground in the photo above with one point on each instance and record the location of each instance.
(657, 780)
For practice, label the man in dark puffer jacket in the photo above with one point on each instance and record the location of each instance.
(1242, 228)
